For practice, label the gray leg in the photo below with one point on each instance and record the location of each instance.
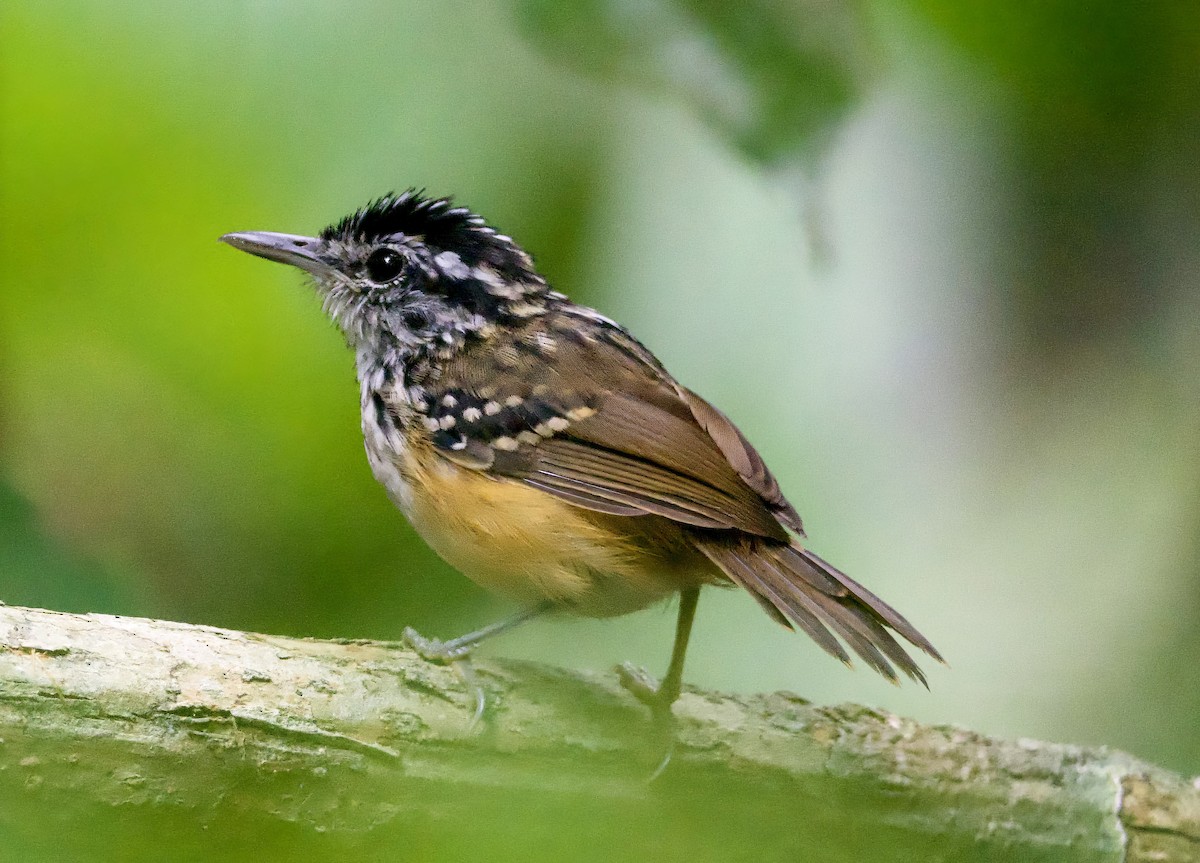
(660, 696)
(457, 652)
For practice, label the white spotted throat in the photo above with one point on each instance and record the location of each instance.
(543, 451)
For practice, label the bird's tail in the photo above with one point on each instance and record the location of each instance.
(795, 586)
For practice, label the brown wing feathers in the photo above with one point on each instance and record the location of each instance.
(743, 458)
(583, 467)
(643, 445)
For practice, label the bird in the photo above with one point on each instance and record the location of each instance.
(545, 453)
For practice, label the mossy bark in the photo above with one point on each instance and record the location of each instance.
(173, 741)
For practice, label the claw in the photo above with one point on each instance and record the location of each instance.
(467, 672)
(458, 656)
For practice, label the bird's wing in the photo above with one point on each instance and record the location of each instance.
(603, 426)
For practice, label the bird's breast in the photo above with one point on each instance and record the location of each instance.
(527, 545)
(387, 444)
(513, 539)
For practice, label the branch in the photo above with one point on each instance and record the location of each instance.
(156, 732)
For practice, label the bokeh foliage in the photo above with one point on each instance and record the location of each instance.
(982, 394)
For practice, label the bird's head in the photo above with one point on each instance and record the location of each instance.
(408, 272)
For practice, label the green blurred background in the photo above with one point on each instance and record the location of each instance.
(938, 259)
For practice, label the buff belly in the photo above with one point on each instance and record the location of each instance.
(529, 546)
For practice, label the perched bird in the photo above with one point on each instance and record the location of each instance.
(538, 447)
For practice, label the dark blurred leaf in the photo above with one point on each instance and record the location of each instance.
(769, 76)
(1105, 127)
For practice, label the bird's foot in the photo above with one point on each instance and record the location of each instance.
(647, 689)
(436, 650)
(456, 654)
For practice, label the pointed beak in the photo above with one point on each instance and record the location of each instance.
(307, 253)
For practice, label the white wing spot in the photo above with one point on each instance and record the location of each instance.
(505, 443)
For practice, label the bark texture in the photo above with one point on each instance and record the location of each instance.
(173, 741)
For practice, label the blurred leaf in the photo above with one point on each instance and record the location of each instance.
(769, 76)
(1104, 146)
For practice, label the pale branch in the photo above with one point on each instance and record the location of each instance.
(151, 732)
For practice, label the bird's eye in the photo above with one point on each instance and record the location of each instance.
(384, 265)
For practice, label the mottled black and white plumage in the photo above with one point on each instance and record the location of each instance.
(543, 450)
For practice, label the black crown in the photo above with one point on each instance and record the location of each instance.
(437, 223)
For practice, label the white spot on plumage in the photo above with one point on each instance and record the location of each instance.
(505, 443)
(472, 414)
(526, 309)
(452, 265)
(491, 409)
(514, 401)
(446, 422)
(557, 423)
(495, 284)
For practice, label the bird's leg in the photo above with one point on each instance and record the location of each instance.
(457, 652)
(659, 696)
(436, 650)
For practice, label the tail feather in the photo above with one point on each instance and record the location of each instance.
(793, 560)
(851, 625)
(889, 615)
(795, 585)
(789, 605)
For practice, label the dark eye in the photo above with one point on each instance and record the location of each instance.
(384, 265)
